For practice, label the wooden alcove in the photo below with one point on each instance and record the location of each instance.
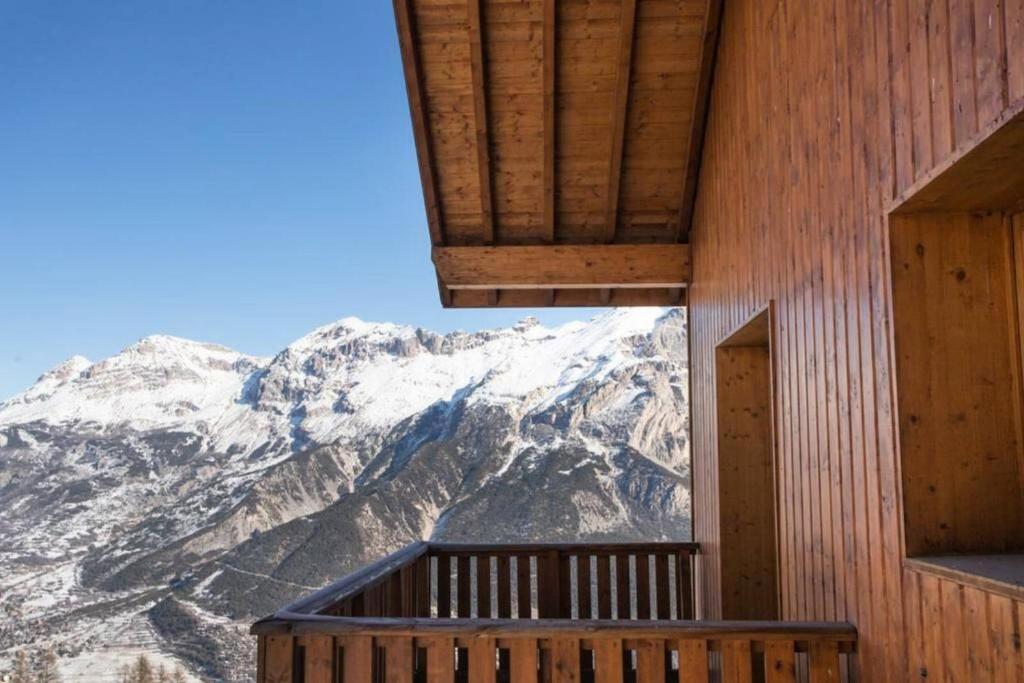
(957, 262)
(746, 471)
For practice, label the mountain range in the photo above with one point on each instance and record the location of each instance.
(160, 500)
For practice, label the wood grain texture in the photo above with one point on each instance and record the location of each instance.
(822, 117)
(563, 267)
(540, 122)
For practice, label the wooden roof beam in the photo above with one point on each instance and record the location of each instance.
(612, 266)
(698, 122)
(418, 112)
(483, 145)
(548, 75)
(627, 23)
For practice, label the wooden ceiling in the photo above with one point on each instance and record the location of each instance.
(558, 144)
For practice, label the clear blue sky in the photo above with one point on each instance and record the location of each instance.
(235, 171)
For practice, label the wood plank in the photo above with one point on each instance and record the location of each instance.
(279, 654)
(984, 174)
(482, 660)
(650, 661)
(523, 656)
(563, 267)
(699, 118)
(319, 658)
(736, 663)
(417, 110)
(550, 29)
(261, 659)
(779, 662)
(693, 661)
(565, 660)
(357, 659)
(824, 663)
(627, 21)
(608, 661)
(398, 659)
(440, 659)
(480, 119)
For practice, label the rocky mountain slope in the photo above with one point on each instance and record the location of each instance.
(177, 490)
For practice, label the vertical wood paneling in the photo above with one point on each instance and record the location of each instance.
(821, 113)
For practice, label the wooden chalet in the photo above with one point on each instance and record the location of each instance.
(835, 191)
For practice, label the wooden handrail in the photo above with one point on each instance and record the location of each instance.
(299, 624)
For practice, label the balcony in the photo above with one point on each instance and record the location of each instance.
(540, 613)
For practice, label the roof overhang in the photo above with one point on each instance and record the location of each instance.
(558, 145)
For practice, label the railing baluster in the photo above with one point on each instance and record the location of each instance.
(523, 585)
(622, 586)
(650, 661)
(356, 659)
(440, 659)
(504, 587)
(278, 662)
(483, 586)
(824, 656)
(608, 661)
(444, 587)
(779, 661)
(583, 586)
(643, 586)
(604, 587)
(523, 668)
(319, 658)
(398, 659)
(693, 661)
(465, 585)
(661, 586)
(565, 660)
(481, 661)
(736, 665)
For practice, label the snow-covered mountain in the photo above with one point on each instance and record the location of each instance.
(169, 494)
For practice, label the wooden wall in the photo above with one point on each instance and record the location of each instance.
(822, 113)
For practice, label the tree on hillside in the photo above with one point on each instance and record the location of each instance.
(22, 671)
(49, 672)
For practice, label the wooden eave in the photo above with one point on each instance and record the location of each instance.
(558, 145)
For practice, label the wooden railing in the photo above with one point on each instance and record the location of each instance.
(546, 581)
(611, 613)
